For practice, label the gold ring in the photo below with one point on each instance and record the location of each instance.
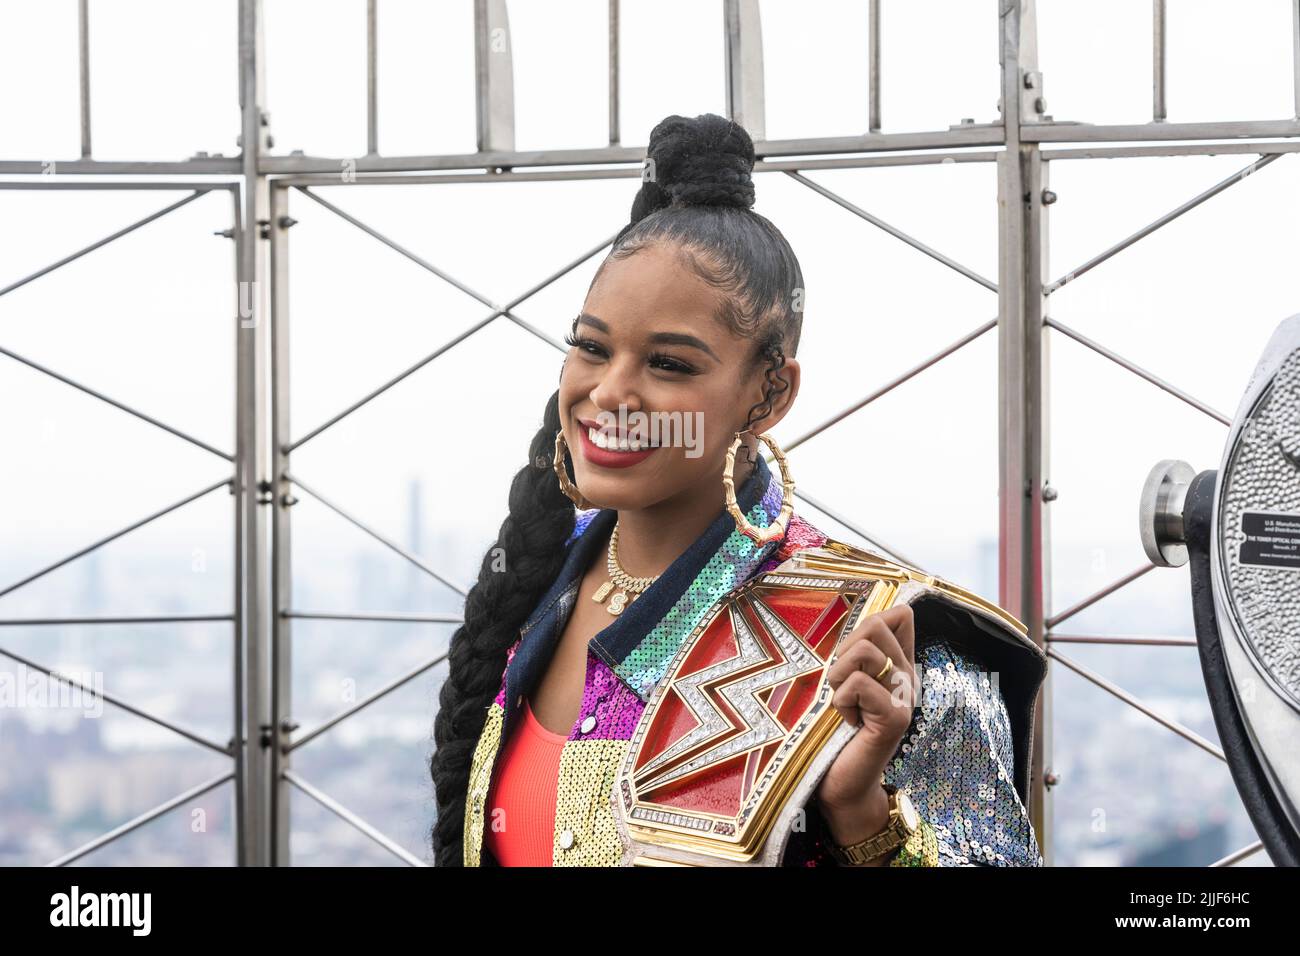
(889, 663)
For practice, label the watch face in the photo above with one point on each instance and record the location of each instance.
(908, 812)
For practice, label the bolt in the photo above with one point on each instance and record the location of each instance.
(224, 233)
(1050, 779)
(1049, 493)
(1040, 105)
(289, 725)
(1049, 197)
(288, 500)
(287, 221)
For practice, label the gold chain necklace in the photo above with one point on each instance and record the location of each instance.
(620, 581)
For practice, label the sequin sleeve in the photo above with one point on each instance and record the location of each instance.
(955, 764)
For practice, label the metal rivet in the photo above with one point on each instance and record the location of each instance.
(566, 839)
(589, 724)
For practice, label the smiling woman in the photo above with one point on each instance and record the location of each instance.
(695, 316)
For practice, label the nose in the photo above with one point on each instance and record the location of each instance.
(619, 385)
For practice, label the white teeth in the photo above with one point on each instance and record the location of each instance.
(612, 443)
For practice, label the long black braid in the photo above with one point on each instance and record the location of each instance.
(532, 537)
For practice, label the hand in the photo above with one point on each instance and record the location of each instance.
(852, 799)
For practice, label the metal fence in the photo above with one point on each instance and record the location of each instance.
(1023, 144)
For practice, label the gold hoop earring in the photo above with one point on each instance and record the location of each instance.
(776, 530)
(570, 490)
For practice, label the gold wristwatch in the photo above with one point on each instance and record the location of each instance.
(903, 821)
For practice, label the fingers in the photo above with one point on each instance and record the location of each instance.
(859, 653)
(890, 630)
(902, 627)
(861, 699)
(885, 636)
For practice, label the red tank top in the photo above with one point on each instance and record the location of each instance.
(520, 825)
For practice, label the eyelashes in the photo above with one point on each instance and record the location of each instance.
(666, 362)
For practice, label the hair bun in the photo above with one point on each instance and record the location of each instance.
(705, 161)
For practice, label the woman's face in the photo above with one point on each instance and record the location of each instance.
(648, 341)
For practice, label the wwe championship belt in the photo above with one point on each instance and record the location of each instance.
(737, 736)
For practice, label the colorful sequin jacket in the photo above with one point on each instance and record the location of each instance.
(955, 761)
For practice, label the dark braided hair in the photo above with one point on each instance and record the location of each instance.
(695, 198)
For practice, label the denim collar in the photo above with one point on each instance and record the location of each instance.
(639, 643)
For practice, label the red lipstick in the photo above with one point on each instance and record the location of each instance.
(607, 457)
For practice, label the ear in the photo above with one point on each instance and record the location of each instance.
(782, 401)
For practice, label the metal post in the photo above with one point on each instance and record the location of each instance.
(614, 132)
(873, 67)
(281, 556)
(1158, 60)
(744, 66)
(494, 77)
(83, 60)
(251, 433)
(239, 745)
(1023, 553)
(372, 79)
(1295, 55)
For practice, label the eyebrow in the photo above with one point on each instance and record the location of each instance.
(662, 338)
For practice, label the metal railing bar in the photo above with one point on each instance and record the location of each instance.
(895, 382)
(1054, 638)
(446, 346)
(343, 813)
(1138, 132)
(143, 619)
(938, 158)
(894, 231)
(372, 616)
(1199, 149)
(955, 138)
(116, 404)
(392, 545)
(424, 263)
(226, 749)
(102, 186)
(366, 702)
(941, 158)
(1137, 370)
(1179, 729)
(142, 819)
(1051, 622)
(1239, 855)
(874, 542)
(1162, 221)
(101, 242)
(116, 534)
